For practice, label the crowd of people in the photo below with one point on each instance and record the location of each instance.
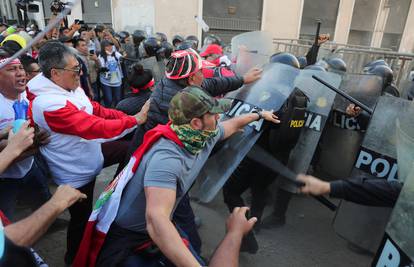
(91, 101)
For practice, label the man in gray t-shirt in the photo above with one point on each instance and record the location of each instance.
(165, 173)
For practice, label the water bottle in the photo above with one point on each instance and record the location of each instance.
(20, 114)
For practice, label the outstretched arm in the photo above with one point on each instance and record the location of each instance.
(227, 253)
(236, 124)
(29, 230)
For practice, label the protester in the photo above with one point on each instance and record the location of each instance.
(31, 67)
(141, 84)
(24, 172)
(82, 54)
(110, 74)
(151, 191)
(184, 69)
(77, 127)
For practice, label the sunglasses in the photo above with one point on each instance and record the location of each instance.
(76, 70)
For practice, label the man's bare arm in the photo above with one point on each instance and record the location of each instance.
(236, 124)
(227, 253)
(27, 231)
(160, 203)
(15, 145)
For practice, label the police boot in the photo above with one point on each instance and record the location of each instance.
(249, 244)
(278, 217)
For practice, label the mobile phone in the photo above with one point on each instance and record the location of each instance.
(91, 52)
(76, 21)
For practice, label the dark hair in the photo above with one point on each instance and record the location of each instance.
(26, 61)
(76, 41)
(103, 54)
(53, 54)
(138, 76)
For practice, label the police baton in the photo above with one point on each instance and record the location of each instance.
(345, 95)
(261, 156)
(318, 29)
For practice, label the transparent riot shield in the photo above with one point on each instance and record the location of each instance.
(157, 68)
(407, 89)
(318, 109)
(397, 246)
(270, 92)
(343, 134)
(251, 49)
(376, 159)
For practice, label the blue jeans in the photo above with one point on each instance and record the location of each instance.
(34, 185)
(96, 92)
(111, 94)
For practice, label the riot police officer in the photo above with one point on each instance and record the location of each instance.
(251, 175)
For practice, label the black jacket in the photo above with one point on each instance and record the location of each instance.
(164, 92)
(369, 192)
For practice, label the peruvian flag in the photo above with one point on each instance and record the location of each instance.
(106, 207)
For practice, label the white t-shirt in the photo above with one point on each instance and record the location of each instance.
(21, 168)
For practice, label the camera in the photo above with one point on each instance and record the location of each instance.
(57, 6)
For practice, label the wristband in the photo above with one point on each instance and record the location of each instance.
(258, 112)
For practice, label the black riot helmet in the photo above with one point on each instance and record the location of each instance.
(138, 36)
(336, 64)
(194, 40)
(212, 39)
(285, 58)
(122, 36)
(176, 40)
(303, 62)
(166, 50)
(315, 67)
(161, 36)
(384, 72)
(373, 64)
(184, 45)
(151, 46)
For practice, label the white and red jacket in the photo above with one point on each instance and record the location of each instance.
(77, 128)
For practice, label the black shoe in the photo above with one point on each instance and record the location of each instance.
(249, 244)
(273, 221)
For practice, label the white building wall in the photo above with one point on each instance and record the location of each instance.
(343, 21)
(282, 18)
(131, 15)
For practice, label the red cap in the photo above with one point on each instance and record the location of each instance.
(212, 49)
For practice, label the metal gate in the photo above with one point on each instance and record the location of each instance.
(355, 56)
(227, 18)
(97, 12)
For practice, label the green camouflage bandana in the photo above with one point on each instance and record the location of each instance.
(194, 140)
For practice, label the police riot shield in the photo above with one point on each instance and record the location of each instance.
(157, 67)
(397, 246)
(343, 134)
(251, 49)
(376, 159)
(269, 93)
(317, 111)
(407, 89)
